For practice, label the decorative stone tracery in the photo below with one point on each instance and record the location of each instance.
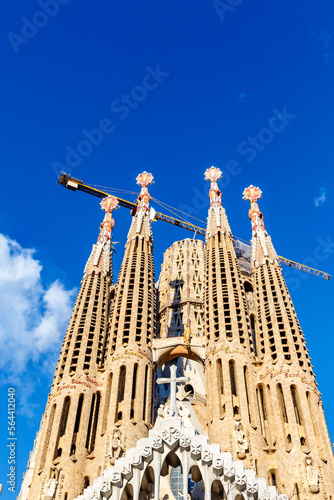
(195, 454)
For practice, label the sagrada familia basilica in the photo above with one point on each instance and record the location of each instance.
(198, 386)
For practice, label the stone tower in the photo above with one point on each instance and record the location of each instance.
(101, 397)
(229, 341)
(181, 287)
(294, 450)
(128, 355)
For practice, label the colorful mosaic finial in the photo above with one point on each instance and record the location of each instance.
(262, 250)
(145, 179)
(252, 194)
(217, 220)
(141, 223)
(213, 174)
(109, 204)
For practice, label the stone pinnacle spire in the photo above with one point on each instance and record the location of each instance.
(262, 247)
(217, 220)
(141, 224)
(100, 257)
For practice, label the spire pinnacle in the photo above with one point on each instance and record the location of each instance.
(94, 263)
(213, 174)
(217, 220)
(144, 179)
(262, 247)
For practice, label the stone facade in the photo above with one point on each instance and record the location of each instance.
(231, 318)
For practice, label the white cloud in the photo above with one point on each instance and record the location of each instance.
(321, 198)
(33, 319)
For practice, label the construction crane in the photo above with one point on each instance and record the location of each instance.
(74, 184)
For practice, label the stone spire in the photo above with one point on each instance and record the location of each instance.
(217, 220)
(132, 318)
(69, 429)
(262, 247)
(290, 409)
(229, 345)
(100, 257)
(141, 223)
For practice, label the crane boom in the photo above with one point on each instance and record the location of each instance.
(74, 184)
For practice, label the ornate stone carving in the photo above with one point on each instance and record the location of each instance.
(185, 416)
(50, 487)
(161, 415)
(116, 447)
(241, 443)
(312, 475)
(195, 449)
(157, 442)
(187, 337)
(187, 446)
(185, 441)
(170, 436)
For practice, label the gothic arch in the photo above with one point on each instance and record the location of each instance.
(173, 442)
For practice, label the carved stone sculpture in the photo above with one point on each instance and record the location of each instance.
(241, 443)
(185, 416)
(50, 487)
(116, 447)
(160, 416)
(312, 475)
(187, 337)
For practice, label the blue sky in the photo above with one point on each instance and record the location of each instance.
(172, 88)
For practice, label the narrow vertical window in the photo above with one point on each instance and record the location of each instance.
(264, 414)
(296, 405)
(247, 397)
(90, 421)
(220, 388)
(47, 436)
(253, 333)
(263, 404)
(134, 381)
(259, 410)
(95, 421)
(145, 394)
(234, 392)
(220, 377)
(121, 384)
(64, 416)
(134, 388)
(297, 491)
(281, 402)
(76, 425)
(62, 425)
(232, 379)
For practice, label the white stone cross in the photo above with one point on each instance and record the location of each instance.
(173, 380)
